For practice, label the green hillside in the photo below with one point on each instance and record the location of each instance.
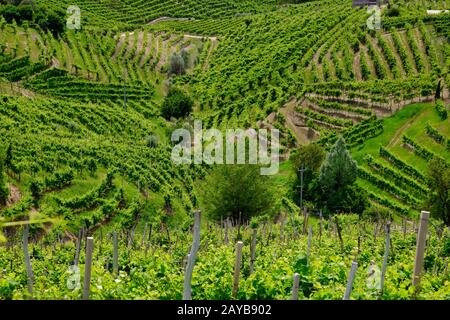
(86, 148)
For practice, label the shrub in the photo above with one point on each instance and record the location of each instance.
(177, 65)
(231, 191)
(177, 104)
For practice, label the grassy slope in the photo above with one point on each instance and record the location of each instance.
(410, 121)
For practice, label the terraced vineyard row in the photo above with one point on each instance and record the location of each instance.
(142, 55)
(128, 13)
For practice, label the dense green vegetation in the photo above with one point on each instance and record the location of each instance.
(86, 118)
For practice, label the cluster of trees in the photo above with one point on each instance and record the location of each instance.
(439, 182)
(239, 191)
(52, 20)
(329, 180)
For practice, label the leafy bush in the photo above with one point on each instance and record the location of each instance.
(441, 109)
(177, 104)
(177, 65)
(231, 191)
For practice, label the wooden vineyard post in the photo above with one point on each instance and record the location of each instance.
(77, 252)
(143, 236)
(187, 292)
(420, 248)
(281, 229)
(338, 228)
(305, 220)
(147, 246)
(321, 225)
(308, 251)
(88, 267)
(253, 250)
(385, 260)
(404, 228)
(295, 287)
(115, 254)
(100, 238)
(351, 278)
(30, 275)
(237, 268)
(226, 232)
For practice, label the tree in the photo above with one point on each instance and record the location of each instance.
(309, 157)
(176, 65)
(439, 183)
(233, 191)
(177, 104)
(4, 191)
(437, 95)
(336, 183)
(50, 20)
(9, 157)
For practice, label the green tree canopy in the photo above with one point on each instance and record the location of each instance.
(177, 65)
(231, 190)
(439, 183)
(336, 182)
(177, 104)
(4, 191)
(309, 157)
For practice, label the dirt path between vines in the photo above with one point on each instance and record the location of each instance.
(118, 46)
(400, 131)
(140, 44)
(161, 19)
(357, 66)
(288, 110)
(14, 195)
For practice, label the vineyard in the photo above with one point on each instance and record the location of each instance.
(93, 206)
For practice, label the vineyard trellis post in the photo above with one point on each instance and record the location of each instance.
(187, 292)
(351, 278)
(88, 267)
(226, 232)
(78, 248)
(30, 275)
(321, 225)
(305, 220)
(115, 254)
(143, 235)
(420, 248)
(301, 170)
(237, 268)
(308, 252)
(338, 228)
(295, 286)
(385, 260)
(253, 250)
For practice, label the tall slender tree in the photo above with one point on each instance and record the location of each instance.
(337, 182)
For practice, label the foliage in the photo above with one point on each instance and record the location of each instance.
(439, 183)
(336, 182)
(177, 65)
(309, 158)
(441, 109)
(4, 191)
(177, 104)
(237, 191)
